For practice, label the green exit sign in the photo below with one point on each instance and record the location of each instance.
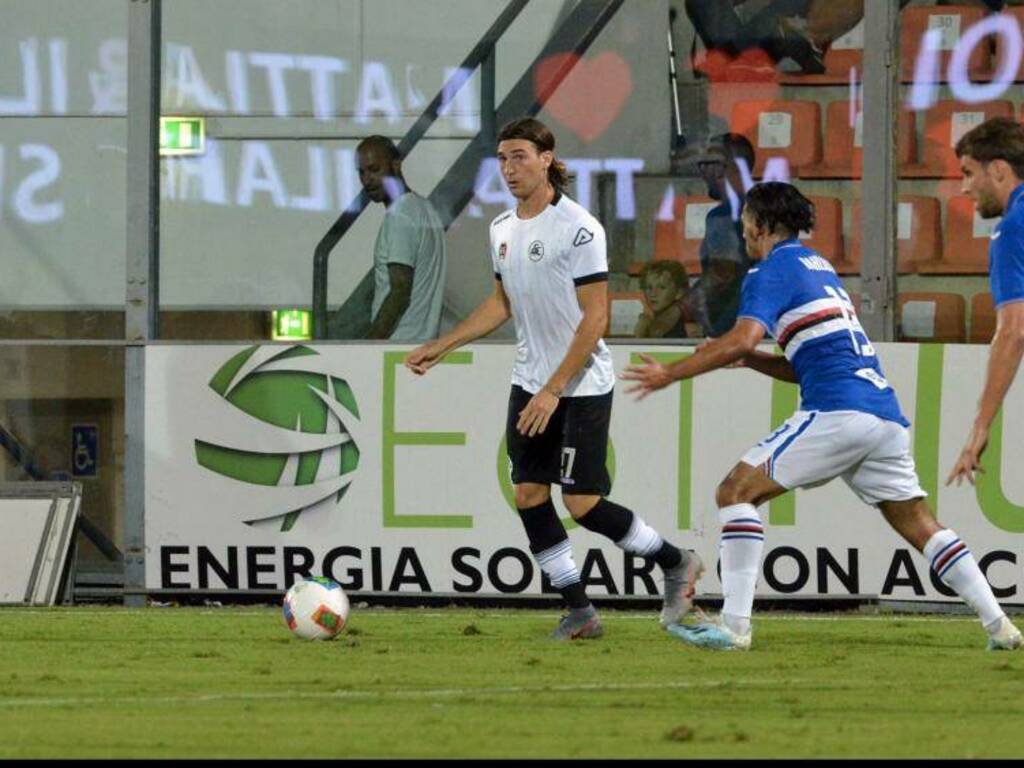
(292, 325)
(182, 135)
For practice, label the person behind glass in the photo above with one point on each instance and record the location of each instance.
(728, 160)
(410, 255)
(666, 288)
(800, 30)
(550, 265)
(738, 26)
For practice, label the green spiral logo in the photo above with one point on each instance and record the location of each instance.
(288, 430)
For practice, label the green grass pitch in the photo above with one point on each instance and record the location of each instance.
(232, 682)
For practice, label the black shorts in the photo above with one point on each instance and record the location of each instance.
(572, 450)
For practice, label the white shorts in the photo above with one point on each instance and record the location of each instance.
(872, 455)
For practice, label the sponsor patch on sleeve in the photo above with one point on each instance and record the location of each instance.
(583, 236)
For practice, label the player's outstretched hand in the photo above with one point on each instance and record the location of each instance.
(969, 460)
(423, 358)
(534, 418)
(649, 378)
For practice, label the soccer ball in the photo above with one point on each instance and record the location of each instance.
(316, 608)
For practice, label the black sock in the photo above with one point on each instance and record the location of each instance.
(549, 545)
(616, 522)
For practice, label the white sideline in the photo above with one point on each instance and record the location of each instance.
(7, 703)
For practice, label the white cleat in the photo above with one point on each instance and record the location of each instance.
(1006, 638)
(714, 635)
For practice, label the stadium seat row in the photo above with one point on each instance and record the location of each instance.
(942, 318)
(923, 316)
(791, 129)
(847, 52)
(924, 246)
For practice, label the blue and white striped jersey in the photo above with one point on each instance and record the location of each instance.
(797, 296)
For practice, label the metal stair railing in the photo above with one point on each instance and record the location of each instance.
(482, 54)
(574, 35)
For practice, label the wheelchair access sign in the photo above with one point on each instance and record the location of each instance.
(84, 450)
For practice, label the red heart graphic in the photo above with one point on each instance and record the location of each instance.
(590, 97)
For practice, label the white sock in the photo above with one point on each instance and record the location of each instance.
(954, 564)
(641, 539)
(558, 565)
(740, 552)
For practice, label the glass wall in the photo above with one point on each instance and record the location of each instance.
(763, 89)
(285, 106)
(62, 169)
(63, 102)
(62, 418)
(285, 101)
(766, 91)
(960, 64)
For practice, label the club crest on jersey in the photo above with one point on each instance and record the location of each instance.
(502, 250)
(583, 236)
(536, 252)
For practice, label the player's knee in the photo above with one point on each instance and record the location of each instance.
(529, 495)
(578, 506)
(731, 492)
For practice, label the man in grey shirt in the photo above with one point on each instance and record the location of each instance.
(410, 256)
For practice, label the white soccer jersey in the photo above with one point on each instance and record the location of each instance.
(540, 262)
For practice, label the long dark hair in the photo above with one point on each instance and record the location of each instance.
(543, 139)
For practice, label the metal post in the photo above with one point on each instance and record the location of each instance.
(142, 270)
(879, 187)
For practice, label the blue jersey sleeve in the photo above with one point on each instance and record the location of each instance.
(765, 295)
(1006, 264)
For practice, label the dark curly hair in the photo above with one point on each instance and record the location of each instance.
(780, 208)
(999, 138)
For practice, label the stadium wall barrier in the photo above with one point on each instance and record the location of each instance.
(265, 462)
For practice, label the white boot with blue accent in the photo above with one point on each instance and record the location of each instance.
(713, 634)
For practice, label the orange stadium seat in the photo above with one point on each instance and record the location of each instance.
(983, 319)
(932, 317)
(679, 238)
(954, 20)
(845, 53)
(843, 148)
(918, 233)
(624, 309)
(827, 238)
(780, 128)
(965, 244)
(945, 123)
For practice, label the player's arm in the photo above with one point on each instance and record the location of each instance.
(776, 366)
(1003, 361)
(395, 303)
(489, 315)
(593, 300)
(737, 344)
